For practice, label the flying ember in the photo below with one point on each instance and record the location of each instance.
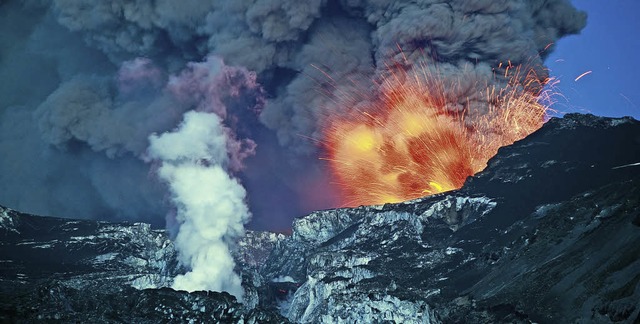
(406, 144)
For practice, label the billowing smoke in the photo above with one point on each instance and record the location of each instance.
(210, 204)
(85, 84)
(194, 161)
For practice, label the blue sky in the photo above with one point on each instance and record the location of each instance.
(610, 47)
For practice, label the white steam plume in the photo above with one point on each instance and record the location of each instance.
(194, 160)
(210, 204)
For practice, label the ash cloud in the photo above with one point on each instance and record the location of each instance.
(86, 83)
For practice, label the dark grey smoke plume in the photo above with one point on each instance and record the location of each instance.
(84, 84)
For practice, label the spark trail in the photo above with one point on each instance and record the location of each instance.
(406, 144)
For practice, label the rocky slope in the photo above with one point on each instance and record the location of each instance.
(64, 270)
(549, 232)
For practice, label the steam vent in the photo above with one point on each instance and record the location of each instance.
(319, 161)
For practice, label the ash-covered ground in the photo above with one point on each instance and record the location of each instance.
(548, 233)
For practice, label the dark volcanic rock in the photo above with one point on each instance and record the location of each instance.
(58, 302)
(549, 232)
(96, 272)
(103, 254)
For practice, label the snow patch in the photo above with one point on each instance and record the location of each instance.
(608, 211)
(451, 250)
(105, 257)
(620, 121)
(7, 221)
(459, 211)
(283, 279)
(542, 210)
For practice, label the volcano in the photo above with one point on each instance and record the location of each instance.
(549, 232)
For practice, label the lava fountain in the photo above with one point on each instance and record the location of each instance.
(406, 144)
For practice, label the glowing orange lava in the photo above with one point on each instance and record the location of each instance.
(407, 145)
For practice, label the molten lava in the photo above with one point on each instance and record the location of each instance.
(407, 145)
